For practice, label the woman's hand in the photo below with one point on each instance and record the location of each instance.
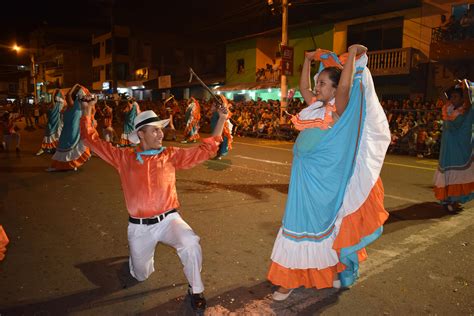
(357, 49)
(309, 55)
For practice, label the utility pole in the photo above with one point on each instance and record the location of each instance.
(284, 42)
(33, 74)
(112, 42)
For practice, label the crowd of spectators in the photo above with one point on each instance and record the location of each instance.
(415, 125)
(456, 28)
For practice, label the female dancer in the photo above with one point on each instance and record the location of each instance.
(454, 179)
(335, 199)
(71, 153)
(53, 131)
(192, 117)
(130, 111)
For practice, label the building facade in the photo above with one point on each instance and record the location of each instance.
(60, 58)
(121, 63)
(405, 58)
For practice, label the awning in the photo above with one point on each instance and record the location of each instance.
(249, 86)
(208, 80)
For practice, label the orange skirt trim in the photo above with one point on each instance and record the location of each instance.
(366, 220)
(3, 243)
(69, 165)
(309, 278)
(49, 146)
(442, 193)
(125, 142)
(194, 137)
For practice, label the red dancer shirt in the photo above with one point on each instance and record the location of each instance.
(149, 188)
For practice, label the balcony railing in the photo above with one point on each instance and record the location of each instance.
(390, 61)
(455, 44)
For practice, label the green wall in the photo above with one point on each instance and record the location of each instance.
(300, 39)
(246, 50)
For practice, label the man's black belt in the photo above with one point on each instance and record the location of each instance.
(152, 220)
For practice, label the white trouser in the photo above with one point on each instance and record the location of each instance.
(172, 231)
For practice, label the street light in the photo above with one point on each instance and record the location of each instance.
(17, 48)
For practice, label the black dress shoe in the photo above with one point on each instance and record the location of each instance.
(198, 302)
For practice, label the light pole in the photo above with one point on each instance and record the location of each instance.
(33, 74)
(284, 42)
(32, 70)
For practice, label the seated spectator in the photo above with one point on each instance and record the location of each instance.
(421, 138)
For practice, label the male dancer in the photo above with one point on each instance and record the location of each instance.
(149, 185)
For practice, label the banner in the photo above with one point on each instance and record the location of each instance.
(164, 82)
(287, 60)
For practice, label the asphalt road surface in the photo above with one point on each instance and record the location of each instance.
(68, 241)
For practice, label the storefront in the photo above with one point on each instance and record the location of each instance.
(252, 91)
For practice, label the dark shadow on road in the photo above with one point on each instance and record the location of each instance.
(254, 300)
(412, 214)
(110, 275)
(252, 190)
(22, 169)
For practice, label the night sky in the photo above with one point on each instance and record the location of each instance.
(218, 20)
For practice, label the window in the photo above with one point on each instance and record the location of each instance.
(240, 66)
(13, 88)
(96, 50)
(378, 35)
(121, 46)
(122, 71)
(459, 10)
(96, 74)
(108, 72)
(108, 46)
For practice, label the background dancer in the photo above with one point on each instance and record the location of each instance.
(11, 132)
(52, 132)
(227, 138)
(454, 179)
(335, 198)
(130, 111)
(107, 115)
(192, 117)
(71, 153)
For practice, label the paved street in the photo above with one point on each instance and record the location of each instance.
(68, 243)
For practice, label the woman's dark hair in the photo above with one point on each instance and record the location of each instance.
(334, 74)
(75, 92)
(454, 90)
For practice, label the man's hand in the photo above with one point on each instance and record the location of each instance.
(223, 109)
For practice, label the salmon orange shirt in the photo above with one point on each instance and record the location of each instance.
(149, 187)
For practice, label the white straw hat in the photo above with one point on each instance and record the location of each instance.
(143, 119)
